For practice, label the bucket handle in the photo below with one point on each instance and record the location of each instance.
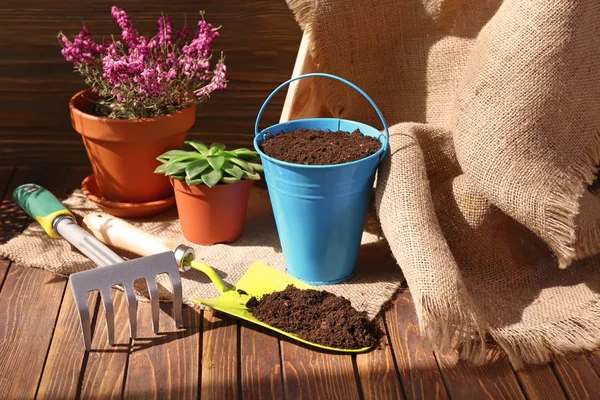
(352, 85)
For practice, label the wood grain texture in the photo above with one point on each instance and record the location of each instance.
(6, 174)
(260, 40)
(30, 300)
(303, 99)
(63, 369)
(219, 376)
(309, 374)
(377, 371)
(416, 362)
(261, 376)
(493, 380)
(105, 367)
(165, 366)
(578, 376)
(595, 359)
(540, 383)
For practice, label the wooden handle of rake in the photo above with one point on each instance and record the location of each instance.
(120, 234)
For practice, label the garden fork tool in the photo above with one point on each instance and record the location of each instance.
(59, 222)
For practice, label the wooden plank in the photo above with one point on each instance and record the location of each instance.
(165, 365)
(578, 376)
(30, 298)
(595, 359)
(303, 99)
(377, 371)
(310, 374)
(30, 301)
(106, 365)
(304, 64)
(540, 382)
(64, 364)
(493, 380)
(6, 174)
(219, 375)
(261, 376)
(416, 362)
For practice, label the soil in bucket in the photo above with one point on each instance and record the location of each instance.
(317, 147)
(317, 316)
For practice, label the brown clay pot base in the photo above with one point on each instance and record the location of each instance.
(90, 188)
(212, 215)
(317, 147)
(317, 316)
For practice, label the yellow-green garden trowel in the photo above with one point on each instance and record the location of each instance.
(258, 280)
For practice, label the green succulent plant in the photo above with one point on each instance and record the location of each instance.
(209, 165)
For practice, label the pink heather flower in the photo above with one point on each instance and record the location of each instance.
(195, 67)
(139, 77)
(183, 34)
(153, 82)
(165, 31)
(128, 32)
(217, 81)
(82, 50)
(201, 45)
(171, 75)
(119, 69)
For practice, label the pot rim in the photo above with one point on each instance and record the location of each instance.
(183, 187)
(95, 118)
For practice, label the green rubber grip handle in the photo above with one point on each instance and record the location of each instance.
(41, 205)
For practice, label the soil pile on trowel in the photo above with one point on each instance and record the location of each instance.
(317, 316)
(316, 147)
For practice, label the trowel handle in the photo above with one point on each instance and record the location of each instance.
(118, 233)
(41, 205)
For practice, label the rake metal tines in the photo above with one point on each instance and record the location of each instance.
(125, 274)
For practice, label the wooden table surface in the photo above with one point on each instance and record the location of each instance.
(217, 357)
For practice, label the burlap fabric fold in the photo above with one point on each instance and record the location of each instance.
(494, 110)
(377, 275)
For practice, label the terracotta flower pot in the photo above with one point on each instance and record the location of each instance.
(123, 152)
(212, 215)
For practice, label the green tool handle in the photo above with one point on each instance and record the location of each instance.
(41, 205)
(211, 273)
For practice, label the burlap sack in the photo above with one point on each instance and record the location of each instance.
(377, 276)
(495, 118)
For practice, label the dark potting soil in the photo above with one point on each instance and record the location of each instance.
(316, 147)
(98, 110)
(317, 316)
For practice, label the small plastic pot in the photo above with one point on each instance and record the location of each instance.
(212, 215)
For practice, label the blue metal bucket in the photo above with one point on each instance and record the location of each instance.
(320, 210)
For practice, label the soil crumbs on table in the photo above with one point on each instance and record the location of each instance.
(317, 147)
(317, 316)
